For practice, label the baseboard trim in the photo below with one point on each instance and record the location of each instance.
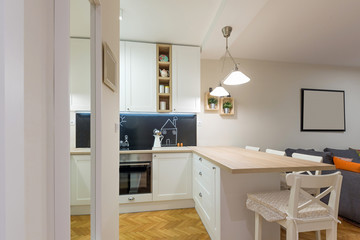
(156, 206)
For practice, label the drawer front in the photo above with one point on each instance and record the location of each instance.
(205, 200)
(204, 175)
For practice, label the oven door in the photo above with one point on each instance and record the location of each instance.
(135, 178)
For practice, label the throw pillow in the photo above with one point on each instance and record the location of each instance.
(346, 159)
(345, 165)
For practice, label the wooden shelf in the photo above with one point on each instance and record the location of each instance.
(222, 101)
(207, 107)
(166, 81)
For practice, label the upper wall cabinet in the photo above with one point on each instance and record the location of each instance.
(137, 76)
(186, 78)
(79, 74)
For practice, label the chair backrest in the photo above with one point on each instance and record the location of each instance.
(308, 158)
(332, 183)
(277, 152)
(252, 148)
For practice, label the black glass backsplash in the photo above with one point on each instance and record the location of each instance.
(176, 128)
(82, 130)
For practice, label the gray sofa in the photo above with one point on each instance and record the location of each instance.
(349, 206)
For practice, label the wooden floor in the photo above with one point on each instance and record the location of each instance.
(177, 224)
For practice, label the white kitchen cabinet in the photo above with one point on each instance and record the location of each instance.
(172, 176)
(186, 78)
(206, 179)
(79, 74)
(80, 179)
(137, 76)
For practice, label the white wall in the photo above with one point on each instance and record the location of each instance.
(38, 76)
(12, 181)
(109, 168)
(267, 109)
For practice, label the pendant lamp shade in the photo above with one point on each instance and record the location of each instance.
(219, 92)
(235, 78)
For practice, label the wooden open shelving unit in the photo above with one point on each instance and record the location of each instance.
(207, 107)
(227, 99)
(166, 81)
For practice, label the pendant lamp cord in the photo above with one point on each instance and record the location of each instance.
(228, 52)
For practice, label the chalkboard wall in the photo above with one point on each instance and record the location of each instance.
(176, 128)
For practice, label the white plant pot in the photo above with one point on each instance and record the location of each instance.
(212, 105)
(227, 110)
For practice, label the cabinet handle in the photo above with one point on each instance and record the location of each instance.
(200, 195)
(200, 159)
(200, 173)
(214, 168)
(174, 109)
(155, 155)
(128, 109)
(131, 198)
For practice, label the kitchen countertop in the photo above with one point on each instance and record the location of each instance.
(235, 159)
(86, 151)
(240, 160)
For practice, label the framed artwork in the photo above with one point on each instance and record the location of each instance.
(322, 110)
(110, 74)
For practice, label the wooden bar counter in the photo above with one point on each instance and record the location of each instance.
(239, 160)
(222, 177)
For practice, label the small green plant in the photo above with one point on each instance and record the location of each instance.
(227, 105)
(212, 100)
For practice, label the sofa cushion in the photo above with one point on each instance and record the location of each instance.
(347, 153)
(327, 156)
(357, 150)
(345, 165)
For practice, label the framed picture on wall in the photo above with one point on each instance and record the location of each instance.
(110, 64)
(322, 110)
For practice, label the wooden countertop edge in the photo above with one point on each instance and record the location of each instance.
(262, 170)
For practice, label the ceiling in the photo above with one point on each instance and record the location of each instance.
(306, 31)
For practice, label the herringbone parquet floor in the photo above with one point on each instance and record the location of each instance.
(175, 225)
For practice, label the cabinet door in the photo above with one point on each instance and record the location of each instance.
(172, 176)
(122, 85)
(186, 78)
(140, 76)
(80, 74)
(80, 179)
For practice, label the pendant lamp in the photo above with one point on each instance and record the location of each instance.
(235, 77)
(219, 91)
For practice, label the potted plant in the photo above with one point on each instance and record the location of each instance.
(227, 106)
(212, 102)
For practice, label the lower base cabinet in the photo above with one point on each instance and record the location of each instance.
(206, 180)
(80, 179)
(172, 176)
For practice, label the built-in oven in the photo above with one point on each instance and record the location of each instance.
(135, 174)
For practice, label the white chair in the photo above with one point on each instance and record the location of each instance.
(313, 191)
(276, 152)
(252, 148)
(296, 210)
(318, 159)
